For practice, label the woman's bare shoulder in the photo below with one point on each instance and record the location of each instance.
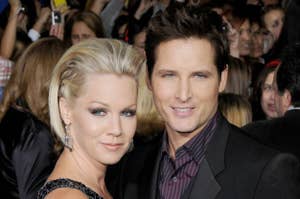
(66, 193)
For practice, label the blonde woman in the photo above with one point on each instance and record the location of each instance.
(93, 101)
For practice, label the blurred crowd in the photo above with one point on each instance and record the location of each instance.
(34, 34)
(257, 32)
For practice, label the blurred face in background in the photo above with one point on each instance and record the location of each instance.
(244, 38)
(274, 21)
(81, 31)
(256, 41)
(267, 101)
(282, 100)
(139, 42)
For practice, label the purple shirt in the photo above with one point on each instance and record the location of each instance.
(176, 175)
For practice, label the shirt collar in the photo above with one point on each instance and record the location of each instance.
(195, 146)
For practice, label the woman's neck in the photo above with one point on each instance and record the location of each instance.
(77, 166)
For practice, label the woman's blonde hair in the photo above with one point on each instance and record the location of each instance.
(149, 120)
(87, 57)
(236, 108)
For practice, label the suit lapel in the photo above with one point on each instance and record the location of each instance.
(205, 185)
(215, 152)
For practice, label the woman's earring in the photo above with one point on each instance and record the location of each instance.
(68, 141)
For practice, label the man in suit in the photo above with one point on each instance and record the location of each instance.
(199, 155)
(282, 133)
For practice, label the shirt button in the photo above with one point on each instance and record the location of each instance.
(174, 179)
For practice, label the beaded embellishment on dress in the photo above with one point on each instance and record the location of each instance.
(66, 183)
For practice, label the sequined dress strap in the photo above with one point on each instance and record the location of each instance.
(66, 183)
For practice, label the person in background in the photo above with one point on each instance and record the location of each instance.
(7, 44)
(95, 124)
(119, 30)
(263, 96)
(273, 20)
(235, 108)
(8, 38)
(239, 77)
(28, 149)
(239, 20)
(83, 25)
(200, 154)
(282, 132)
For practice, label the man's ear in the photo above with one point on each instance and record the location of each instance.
(64, 109)
(286, 99)
(223, 80)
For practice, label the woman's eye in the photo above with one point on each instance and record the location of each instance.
(128, 113)
(267, 88)
(167, 75)
(275, 24)
(98, 112)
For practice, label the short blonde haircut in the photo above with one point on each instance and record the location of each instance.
(88, 57)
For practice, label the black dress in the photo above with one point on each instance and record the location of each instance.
(26, 155)
(66, 183)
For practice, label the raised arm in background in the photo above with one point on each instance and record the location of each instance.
(9, 35)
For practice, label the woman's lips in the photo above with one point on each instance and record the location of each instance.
(112, 146)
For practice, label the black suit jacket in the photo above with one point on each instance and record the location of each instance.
(234, 167)
(281, 133)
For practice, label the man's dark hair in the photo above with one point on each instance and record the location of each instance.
(183, 23)
(288, 74)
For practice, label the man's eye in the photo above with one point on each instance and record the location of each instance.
(98, 112)
(128, 113)
(200, 75)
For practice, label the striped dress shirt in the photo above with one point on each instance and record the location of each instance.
(176, 175)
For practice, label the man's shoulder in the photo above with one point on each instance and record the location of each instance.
(241, 145)
(239, 139)
(279, 132)
(287, 122)
(257, 126)
(264, 169)
(261, 130)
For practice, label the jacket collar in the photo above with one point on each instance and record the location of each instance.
(211, 165)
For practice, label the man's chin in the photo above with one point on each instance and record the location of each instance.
(185, 130)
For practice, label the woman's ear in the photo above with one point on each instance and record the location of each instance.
(64, 109)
